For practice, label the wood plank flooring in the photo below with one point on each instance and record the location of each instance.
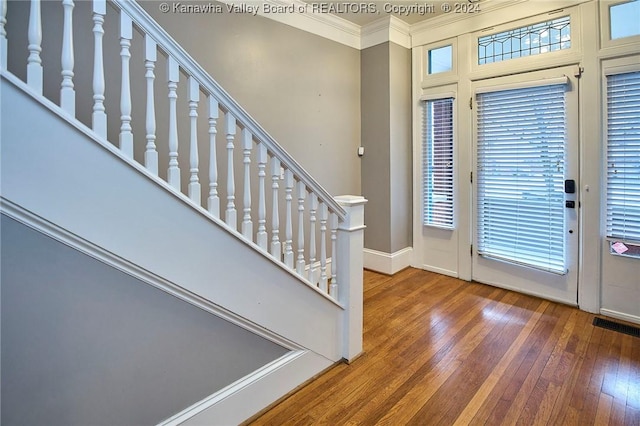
(441, 351)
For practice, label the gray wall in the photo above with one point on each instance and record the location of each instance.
(386, 136)
(303, 89)
(375, 138)
(401, 177)
(83, 343)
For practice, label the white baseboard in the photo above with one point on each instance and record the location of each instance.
(621, 316)
(440, 271)
(245, 398)
(388, 263)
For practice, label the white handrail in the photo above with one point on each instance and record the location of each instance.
(176, 52)
(340, 219)
(311, 216)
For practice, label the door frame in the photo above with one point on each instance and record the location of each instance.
(505, 274)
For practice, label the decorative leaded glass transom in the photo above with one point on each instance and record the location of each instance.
(525, 41)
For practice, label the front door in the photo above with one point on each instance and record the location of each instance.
(525, 189)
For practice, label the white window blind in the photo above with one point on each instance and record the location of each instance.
(623, 156)
(437, 163)
(521, 157)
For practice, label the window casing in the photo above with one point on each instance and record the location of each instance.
(619, 26)
(438, 163)
(439, 63)
(568, 52)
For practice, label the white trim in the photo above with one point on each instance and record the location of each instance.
(144, 171)
(529, 292)
(439, 78)
(626, 65)
(552, 59)
(435, 96)
(388, 263)
(391, 28)
(247, 396)
(524, 84)
(440, 271)
(606, 42)
(75, 242)
(620, 315)
(241, 399)
(386, 29)
(142, 19)
(325, 25)
(452, 25)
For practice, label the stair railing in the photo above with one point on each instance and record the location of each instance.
(325, 247)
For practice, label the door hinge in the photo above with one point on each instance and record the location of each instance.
(471, 177)
(471, 250)
(578, 71)
(471, 103)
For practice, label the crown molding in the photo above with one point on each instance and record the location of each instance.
(300, 16)
(389, 28)
(451, 25)
(386, 29)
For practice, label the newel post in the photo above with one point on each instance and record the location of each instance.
(349, 259)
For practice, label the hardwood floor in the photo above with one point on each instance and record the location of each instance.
(440, 351)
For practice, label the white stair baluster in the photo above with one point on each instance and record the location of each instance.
(276, 249)
(214, 200)
(231, 214)
(247, 224)
(194, 182)
(3, 35)
(288, 242)
(126, 34)
(323, 247)
(150, 153)
(67, 93)
(313, 206)
(302, 194)
(333, 287)
(262, 238)
(173, 76)
(99, 117)
(34, 62)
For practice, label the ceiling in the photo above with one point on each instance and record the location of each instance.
(363, 12)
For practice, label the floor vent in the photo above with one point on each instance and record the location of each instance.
(616, 326)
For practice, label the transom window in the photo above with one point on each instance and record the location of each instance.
(440, 59)
(624, 19)
(529, 40)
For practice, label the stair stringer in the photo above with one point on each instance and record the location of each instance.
(58, 170)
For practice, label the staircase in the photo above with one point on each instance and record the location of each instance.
(191, 195)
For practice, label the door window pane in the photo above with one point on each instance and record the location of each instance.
(521, 158)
